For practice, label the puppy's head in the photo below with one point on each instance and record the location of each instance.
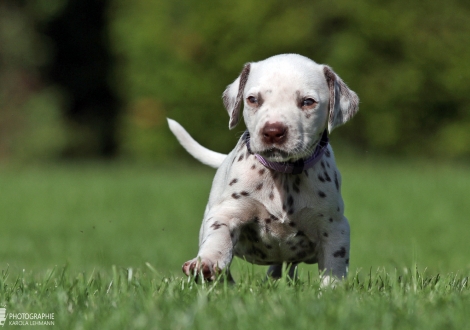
(288, 100)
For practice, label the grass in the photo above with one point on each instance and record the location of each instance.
(143, 299)
(101, 247)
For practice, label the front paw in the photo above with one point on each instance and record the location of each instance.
(328, 281)
(204, 266)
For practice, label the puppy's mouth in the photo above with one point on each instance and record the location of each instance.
(276, 155)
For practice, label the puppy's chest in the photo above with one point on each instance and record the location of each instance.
(284, 215)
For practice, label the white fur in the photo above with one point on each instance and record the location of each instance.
(204, 155)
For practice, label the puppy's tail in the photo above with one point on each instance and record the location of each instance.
(204, 155)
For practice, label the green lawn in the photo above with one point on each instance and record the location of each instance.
(101, 247)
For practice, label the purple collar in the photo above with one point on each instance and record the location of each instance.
(298, 166)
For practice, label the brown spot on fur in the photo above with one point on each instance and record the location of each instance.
(340, 253)
(233, 182)
(245, 193)
(259, 186)
(216, 225)
(235, 195)
(261, 172)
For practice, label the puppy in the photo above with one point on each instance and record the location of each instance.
(276, 198)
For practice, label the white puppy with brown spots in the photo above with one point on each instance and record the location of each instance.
(276, 197)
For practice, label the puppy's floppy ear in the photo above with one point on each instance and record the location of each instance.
(233, 96)
(344, 103)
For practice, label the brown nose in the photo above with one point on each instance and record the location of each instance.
(274, 133)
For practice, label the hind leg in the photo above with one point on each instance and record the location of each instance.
(275, 271)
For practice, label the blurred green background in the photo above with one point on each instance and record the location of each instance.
(91, 175)
(137, 62)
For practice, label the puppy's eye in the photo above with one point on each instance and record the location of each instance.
(308, 103)
(252, 100)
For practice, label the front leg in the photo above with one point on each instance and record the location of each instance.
(215, 249)
(333, 259)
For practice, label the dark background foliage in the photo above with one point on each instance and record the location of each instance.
(84, 78)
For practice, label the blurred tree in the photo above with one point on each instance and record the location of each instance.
(82, 66)
(30, 122)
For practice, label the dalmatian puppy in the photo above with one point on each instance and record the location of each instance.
(276, 197)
